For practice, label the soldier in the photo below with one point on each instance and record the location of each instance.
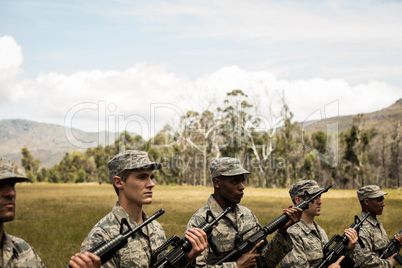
(371, 232)
(308, 237)
(15, 252)
(228, 178)
(132, 176)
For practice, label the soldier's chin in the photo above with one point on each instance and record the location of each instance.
(7, 218)
(148, 201)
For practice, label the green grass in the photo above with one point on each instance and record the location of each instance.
(55, 218)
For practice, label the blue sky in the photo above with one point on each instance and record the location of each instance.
(57, 56)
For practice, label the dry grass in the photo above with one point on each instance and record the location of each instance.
(55, 218)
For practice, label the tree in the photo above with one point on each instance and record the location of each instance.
(356, 141)
(30, 164)
(394, 171)
(292, 146)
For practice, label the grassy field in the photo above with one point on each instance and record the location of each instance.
(55, 218)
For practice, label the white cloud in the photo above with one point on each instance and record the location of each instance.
(10, 61)
(10, 54)
(127, 96)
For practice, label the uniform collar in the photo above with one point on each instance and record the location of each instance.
(308, 228)
(370, 219)
(216, 208)
(120, 214)
(8, 246)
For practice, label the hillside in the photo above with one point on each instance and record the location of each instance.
(49, 142)
(383, 119)
(46, 141)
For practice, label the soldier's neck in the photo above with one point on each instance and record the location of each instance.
(307, 218)
(1, 235)
(133, 210)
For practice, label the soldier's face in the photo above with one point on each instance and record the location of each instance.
(314, 209)
(138, 187)
(231, 188)
(7, 201)
(376, 205)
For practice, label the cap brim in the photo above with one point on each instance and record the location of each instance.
(379, 194)
(151, 165)
(13, 177)
(315, 190)
(235, 172)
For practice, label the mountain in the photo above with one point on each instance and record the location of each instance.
(47, 142)
(383, 119)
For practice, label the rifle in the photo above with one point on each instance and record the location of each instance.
(106, 249)
(182, 246)
(340, 248)
(391, 249)
(246, 245)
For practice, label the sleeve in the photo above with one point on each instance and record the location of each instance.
(296, 258)
(206, 258)
(276, 250)
(39, 262)
(96, 236)
(366, 257)
(26, 257)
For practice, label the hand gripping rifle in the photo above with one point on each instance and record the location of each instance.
(391, 249)
(340, 248)
(246, 245)
(182, 246)
(106, 249)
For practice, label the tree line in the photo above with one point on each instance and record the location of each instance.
(277, 151)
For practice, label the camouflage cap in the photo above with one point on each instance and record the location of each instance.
(300, 187)
(131, 159)
(226, 166)
(7, 172)
(370, 191)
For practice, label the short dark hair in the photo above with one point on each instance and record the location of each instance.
(123, 176)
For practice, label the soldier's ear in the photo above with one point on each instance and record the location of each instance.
(366, 201)
(216, 182)
(118, 182)
(297, 199)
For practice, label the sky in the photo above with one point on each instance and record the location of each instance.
(138, 65)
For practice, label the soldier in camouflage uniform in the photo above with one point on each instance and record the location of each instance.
(132, 176)
(308, 237)
(372, 232)
(228, 178)
(15, 252)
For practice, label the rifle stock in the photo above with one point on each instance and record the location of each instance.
(271, 227)
(182, 246)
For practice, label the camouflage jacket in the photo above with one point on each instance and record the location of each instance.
(308, 243)
(137, 252)
(229, 228)
(375, 239)
(18, 253)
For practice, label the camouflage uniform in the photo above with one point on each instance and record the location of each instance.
(308, 239)
(18, 253)
(228, 229)
(138, 251)
(372, 234)
(15, 251)
(308, 243)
